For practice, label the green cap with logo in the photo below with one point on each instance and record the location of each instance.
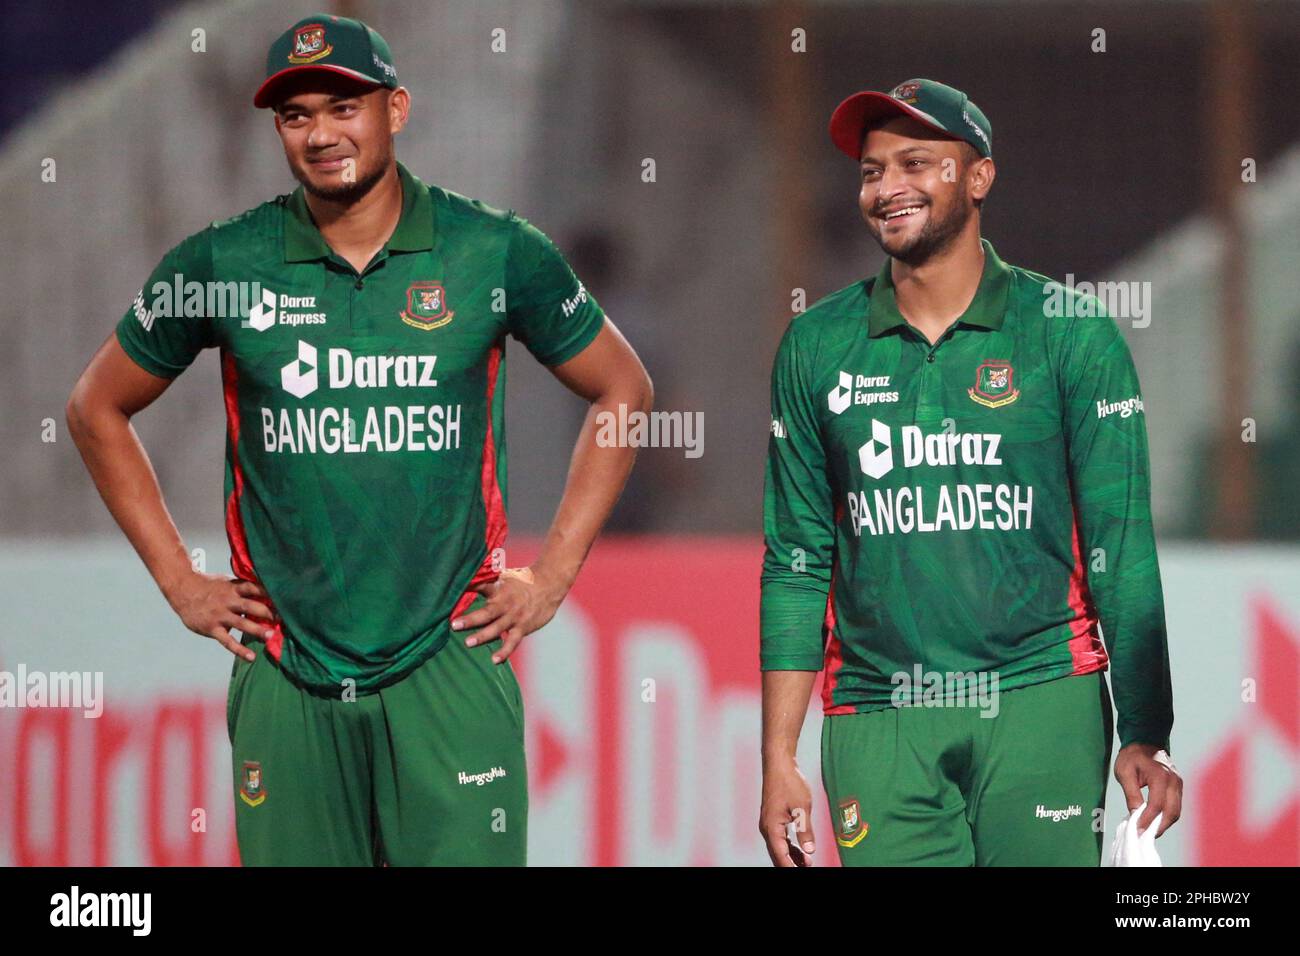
(333, 44)
(939, 107)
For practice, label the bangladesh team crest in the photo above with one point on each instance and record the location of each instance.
(426, 306)
(994, 385)
(252, 791)
(309, 44)
(851, 829)
(906, 91)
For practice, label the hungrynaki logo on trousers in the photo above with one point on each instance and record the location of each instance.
(479, 779)
(1056, 815)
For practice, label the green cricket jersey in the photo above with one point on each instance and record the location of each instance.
(979, 505)
(365, 457)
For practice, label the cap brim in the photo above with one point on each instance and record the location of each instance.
(852, 116)
(263, 97)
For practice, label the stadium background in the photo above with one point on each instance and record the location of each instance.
(1117, 165)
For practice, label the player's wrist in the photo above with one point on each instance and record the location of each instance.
(780, 755)
(552, 581)
(175, 583)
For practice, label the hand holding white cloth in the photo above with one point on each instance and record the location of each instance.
(1134, 849)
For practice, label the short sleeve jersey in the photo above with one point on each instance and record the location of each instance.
(365, 484)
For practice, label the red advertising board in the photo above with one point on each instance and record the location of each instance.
(643, 721)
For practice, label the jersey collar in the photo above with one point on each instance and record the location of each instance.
(414, 230)
(304, 243)
(986, 309)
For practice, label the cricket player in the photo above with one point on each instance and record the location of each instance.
(372, 712)
(957, 512)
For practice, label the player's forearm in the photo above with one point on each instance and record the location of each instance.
(1126, 591)
(785, 703)
(120, 468)
(1129, 600)
(1140, 675)
(596, 478)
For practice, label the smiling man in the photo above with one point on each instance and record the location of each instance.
(378, 720)
(955, 517)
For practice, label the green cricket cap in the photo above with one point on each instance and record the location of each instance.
(937, 106)
(326, 42)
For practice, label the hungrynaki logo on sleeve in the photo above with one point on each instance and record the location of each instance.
(309, 44)
(426, 306)
(993, 385)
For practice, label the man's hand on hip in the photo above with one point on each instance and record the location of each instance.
(213, 605)
(518, 602)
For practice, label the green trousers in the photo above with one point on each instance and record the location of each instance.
(945, 786)
(426, 772)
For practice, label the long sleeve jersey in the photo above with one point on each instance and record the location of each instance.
(976, 506)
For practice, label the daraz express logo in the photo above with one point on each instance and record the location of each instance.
(851, 390)
(283, 309)
(302, 377)
(942, 449)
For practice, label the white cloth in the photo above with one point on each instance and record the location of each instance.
(1133, 849)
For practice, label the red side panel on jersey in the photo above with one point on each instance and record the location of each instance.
(834, 657)
(241, 563)
(1086, 648)
(494, 505)
(834, 650)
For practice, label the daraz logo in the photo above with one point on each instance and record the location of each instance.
(937, 450)
(299, 378)
(876, 457)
